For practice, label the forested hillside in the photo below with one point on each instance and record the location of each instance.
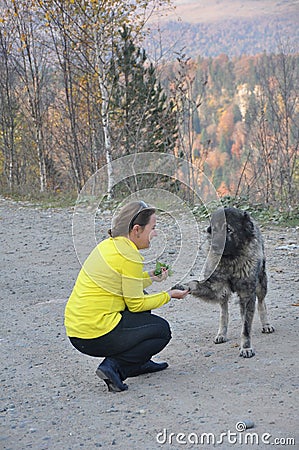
(239, 119)
(233, 37)
(78, 90)
(233, 27)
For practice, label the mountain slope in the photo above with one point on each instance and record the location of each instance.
(234, 27)
(206, 11)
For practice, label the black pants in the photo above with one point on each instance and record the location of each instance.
(136, 338)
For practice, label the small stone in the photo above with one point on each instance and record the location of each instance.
(248, 423)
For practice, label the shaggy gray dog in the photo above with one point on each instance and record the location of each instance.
(235, 263)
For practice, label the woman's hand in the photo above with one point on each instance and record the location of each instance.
(177, 293)
(161, 277)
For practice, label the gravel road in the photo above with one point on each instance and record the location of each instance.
(51, 397)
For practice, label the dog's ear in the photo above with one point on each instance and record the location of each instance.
(248, 225)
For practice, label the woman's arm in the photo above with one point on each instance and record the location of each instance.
(134, 297)
(132, 288)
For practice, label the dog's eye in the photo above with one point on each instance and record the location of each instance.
(229, 230)
(209, 230)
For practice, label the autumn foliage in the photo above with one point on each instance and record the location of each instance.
(77, 90)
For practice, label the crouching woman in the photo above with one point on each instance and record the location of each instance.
(108, 314)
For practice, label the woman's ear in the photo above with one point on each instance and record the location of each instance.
(136, 230)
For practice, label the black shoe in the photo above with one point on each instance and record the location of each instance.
(109, 372)
(149, 367)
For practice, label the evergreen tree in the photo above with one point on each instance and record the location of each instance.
(237, 114)
(144, 119)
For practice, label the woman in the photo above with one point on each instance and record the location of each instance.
(108, 314)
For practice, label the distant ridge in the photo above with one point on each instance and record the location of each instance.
(207, 11)
(234, 27)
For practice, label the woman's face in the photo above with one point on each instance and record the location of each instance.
(143, 235)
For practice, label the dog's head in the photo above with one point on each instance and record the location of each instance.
(230, 229)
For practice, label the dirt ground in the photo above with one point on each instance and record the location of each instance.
(52, 399)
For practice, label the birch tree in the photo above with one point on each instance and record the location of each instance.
(92, 29)
(8, 102)
(32, 67)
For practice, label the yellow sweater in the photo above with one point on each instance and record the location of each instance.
(110, 280)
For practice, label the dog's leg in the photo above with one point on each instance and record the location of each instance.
(223, 323)
(262, 310)
(261, 292)
(247, 307)
(214, 291)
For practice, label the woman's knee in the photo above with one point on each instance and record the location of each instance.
(146, 325)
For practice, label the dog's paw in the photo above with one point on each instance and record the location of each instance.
(247, 352)
(220, 339)
(193, 285)
(180, 287)
(268, 329)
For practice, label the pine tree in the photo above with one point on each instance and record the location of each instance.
(144, 119)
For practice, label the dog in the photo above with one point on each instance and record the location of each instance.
(235, 264)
